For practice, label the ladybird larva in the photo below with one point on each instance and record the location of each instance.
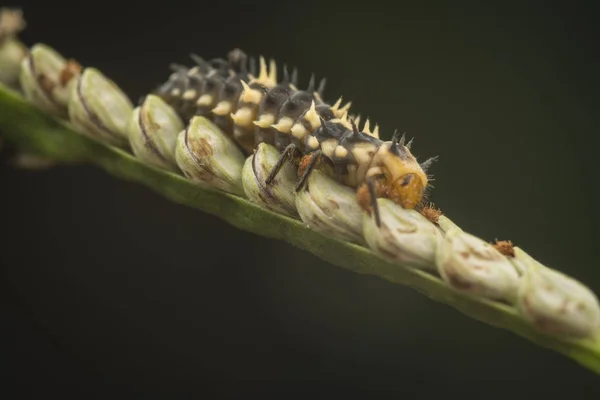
(307, 131)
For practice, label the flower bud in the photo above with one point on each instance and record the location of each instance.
(209, 157)
(12, 51)
(554, 302)
(12, 54)
(99, 109)
(46, 79)
(474, 266)
(330, 207)
(279, 196)
(405, 236)
(153, 131)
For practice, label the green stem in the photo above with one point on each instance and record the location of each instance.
(31, 130)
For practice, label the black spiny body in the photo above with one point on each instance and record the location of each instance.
(254, 109)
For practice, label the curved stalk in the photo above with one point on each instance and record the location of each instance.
(33, 131)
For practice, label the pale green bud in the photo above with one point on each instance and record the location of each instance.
(278, 196)
(209, 157)
(554, 302)
(12, 54)
(99, 109)
(47, 78)
(153, 130)
(405, 236)
(471, 265)
(330, 207)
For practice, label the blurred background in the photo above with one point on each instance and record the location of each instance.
(108, 289)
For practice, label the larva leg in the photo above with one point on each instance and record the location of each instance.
(286, 155)
(371, 184)
(314, 157)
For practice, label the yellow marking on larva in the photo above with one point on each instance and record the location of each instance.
(223, 108)
(328, 146)
(351, 178)
(284, 125)
(376, 131)
(318, 97)
(312, 117)
(293, 87)
(267, 78)
(242, 117)
(340, 152)
(337, 105)
(265, 120)
(395, 167)
(299, 131)
(193, 71)
(189, 94)
(344, 109)
(343, 120)
(367, 127)
(263, 74)
(356, 119)
(312, 143)
(363, 154)
(205, 100)
(273, 72)
(374, 171)
(338, 110)
(250, 95)
(175, 92)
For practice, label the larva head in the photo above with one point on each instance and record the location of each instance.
(406, 178)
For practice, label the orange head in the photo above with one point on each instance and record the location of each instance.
(406, 178)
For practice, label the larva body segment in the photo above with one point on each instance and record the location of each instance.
(305, 129)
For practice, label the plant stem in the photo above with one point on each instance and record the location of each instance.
(31, 130)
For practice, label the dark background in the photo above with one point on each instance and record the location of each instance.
(108, 289)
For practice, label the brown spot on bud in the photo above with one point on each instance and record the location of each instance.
(46, 84)
(505, 247)
(457, 281)
(432, 213)
(71, 69)
(201, 148)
